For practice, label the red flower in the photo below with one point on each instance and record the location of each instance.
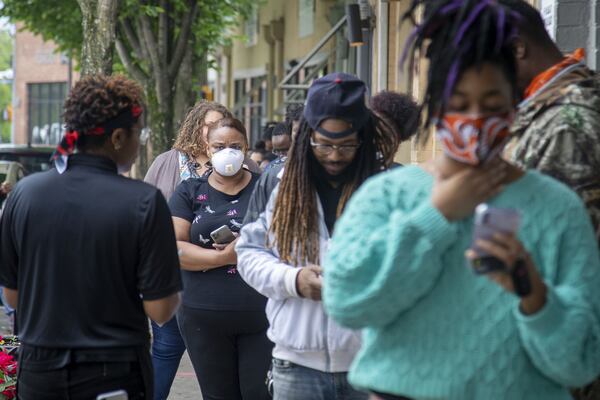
(10, 393)
(6, 360)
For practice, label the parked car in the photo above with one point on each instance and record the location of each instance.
(33, 158)
(11, 172)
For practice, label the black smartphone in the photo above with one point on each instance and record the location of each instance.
(222, 235)
(489, 221)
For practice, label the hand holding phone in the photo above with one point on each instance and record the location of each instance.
(491, 224)
(488, 222)
(222, 235)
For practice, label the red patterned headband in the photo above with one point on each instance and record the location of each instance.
(125, 118)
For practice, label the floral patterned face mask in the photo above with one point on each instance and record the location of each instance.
(473, 139)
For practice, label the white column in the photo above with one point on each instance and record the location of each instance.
(382, 44)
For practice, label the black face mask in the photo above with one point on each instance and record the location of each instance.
(318, 173)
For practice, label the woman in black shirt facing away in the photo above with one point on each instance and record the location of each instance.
(87, 254)
(222, 319)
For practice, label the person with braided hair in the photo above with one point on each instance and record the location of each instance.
(279, 253)
(446, 311)
(397, 121)
(87, 255)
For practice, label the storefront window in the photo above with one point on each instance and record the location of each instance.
(45, 103)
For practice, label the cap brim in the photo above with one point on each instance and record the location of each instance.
(336, 135)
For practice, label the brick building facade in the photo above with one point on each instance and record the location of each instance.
(41, 78)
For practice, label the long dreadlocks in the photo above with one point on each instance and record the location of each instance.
(460, 34)
(295, 224)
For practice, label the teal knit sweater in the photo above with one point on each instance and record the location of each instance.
(433, 328)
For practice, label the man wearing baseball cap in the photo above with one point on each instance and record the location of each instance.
(279, 254)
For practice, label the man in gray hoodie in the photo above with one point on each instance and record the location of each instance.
(279, 253)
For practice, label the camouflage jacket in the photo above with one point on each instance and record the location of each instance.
(558, 133)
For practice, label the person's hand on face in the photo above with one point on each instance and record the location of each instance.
(309, 282)
(457, 196)
(481, 91)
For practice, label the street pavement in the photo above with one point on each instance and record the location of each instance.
(185, 386)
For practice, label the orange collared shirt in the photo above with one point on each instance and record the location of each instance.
(545, 77)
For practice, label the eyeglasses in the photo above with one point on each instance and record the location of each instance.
(280, 152)
(326, 149)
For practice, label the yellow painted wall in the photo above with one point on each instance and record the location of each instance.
(247, 60)
(295, 47)
(246, 57)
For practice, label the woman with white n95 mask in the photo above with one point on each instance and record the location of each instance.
(222, 319)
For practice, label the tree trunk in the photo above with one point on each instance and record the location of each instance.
(164, 56)
(99, 23)
(185, 93)
(160, 113)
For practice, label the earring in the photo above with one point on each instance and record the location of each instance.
(117, 146)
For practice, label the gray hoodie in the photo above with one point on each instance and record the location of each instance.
(302, 332)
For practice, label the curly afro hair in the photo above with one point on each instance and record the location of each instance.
(397, 110)
(96, 99)
(189, 140)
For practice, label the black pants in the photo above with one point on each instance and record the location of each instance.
(82, 381)
(230, 352)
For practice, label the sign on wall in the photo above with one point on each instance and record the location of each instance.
(548, 11)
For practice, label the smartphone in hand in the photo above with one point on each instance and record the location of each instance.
(488, 222)
(222, 235)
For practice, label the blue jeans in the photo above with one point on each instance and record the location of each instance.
(294, 382)
(167, 350)
(10, 312)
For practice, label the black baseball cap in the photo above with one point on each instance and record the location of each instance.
(340, 96)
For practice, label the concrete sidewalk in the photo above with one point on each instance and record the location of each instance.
(185, 386)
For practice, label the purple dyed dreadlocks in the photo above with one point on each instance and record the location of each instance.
(456, 35)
